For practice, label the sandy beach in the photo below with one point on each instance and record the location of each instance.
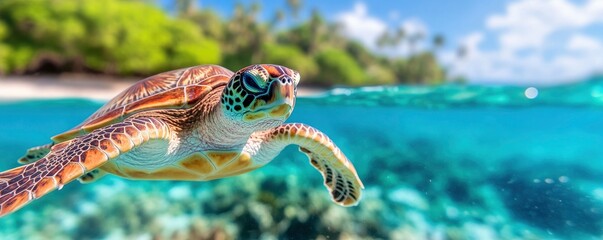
(97, 87)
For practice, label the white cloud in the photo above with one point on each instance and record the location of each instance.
(414, 26)
(539, 42)
(595, 8)
(533, 68)
(581, 42)
(358, 25)
(530, 42)
(528, 23)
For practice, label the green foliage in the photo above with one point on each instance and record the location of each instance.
(4, 49)
(292, 57)
(3, 30)
(338, 67)
(133, 37)
(4, 58)
(19, 58)
(209, 23)
(360, 53)
(191, 49)
(111, 36)
(421, 68)
(378, 75)
(313, 35)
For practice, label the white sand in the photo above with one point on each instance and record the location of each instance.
(74, 86)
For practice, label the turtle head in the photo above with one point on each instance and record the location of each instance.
(262, 95)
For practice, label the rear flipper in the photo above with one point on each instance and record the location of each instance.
(72, 159)
(92, 176)
(35, 153)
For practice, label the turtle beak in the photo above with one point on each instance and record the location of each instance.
(283, 99)
(287, 92)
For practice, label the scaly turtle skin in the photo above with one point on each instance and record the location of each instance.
(198, 123)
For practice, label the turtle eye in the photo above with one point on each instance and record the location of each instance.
(250, 83)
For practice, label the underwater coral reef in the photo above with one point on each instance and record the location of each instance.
(283, 202)
(460, 173)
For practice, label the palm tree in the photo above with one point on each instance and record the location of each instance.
(413, 40)
(398, 36)
(461, 52)
(210, 24)
(317, 31)
(336, 34)
(387, 39)
(383, 40)
(294, 7)
(279, 17)
(185, 7)
(438, 42)
(254, 10)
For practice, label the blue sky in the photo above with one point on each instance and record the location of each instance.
(523, 42)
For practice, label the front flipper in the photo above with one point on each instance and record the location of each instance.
(339, 174)
(72, 159)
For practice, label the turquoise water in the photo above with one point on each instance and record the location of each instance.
(447, 162)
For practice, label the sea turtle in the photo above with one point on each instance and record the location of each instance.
(198, 123)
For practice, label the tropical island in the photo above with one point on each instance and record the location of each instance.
(140, 38)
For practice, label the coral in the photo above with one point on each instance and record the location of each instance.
(558, 207)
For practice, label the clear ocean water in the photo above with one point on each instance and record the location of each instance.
(445, 162)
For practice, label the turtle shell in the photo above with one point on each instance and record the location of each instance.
(175, 89)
